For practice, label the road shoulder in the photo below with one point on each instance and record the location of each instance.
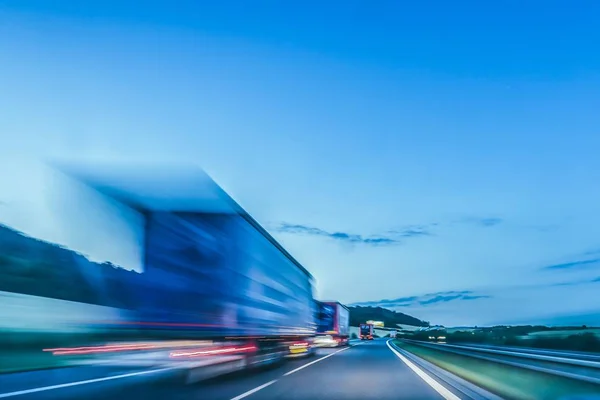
(448, 385)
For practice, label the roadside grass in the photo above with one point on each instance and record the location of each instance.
(503, 380)
(19, 361)
(563, 334)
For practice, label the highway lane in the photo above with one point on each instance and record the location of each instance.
(367, 370)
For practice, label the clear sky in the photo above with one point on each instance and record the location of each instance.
(400, 150)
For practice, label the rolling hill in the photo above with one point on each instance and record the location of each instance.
(390, 318)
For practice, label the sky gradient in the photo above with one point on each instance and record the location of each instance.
(442, 153)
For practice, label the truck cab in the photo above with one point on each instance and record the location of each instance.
(366, 331)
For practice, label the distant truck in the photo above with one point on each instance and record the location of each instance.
(366, 331)
(333, 324)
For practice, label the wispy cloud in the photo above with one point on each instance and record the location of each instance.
(476, 297)
(399, 302)
(393, 236)
(426, 299)
(490, 222)
(412, 231)
(379, 240)
(447, 297)
(577, 283)
(485, 222)
(572, 265)
(340, 236)
(440, 299)
(593, 252)
(291, 228)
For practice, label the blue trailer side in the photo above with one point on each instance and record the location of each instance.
(215, 275)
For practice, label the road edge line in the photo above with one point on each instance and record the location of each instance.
(435, 385)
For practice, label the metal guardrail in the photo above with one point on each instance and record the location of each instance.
(523, 354)
(578, 369)
(576, 355)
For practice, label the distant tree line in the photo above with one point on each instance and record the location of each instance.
(360, 315)
(34, 267)
(521, 336)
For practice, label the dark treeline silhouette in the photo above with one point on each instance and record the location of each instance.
(521, 336)
(35, 267)
(360, 315)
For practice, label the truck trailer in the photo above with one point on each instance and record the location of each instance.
(333, 328)
(218, 276)
(210, 280)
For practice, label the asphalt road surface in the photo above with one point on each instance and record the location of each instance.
(368, 370)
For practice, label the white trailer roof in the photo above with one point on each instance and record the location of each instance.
(160, 186)
(151, 186)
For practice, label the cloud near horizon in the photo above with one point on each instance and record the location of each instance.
(485, 222)
(344, 236)
(571, 265)
(501, 305)
(578, 282)
(412, 231)
(393, 236)
(426, 299)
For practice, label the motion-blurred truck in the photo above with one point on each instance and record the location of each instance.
(201, 279)
(333, 326)
(366, 331)
(222, 277)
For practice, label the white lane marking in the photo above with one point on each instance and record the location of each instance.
(316, 361)
(65, 385)
(445, 393)
(256, 389)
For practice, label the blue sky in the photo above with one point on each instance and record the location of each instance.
(397, 149)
